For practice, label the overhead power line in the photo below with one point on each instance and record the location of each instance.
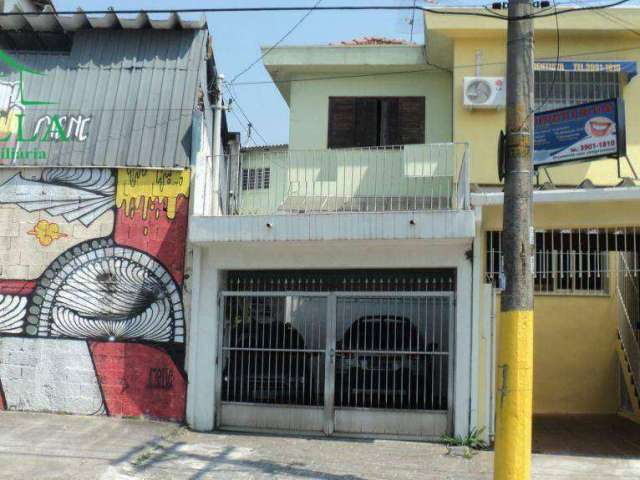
(280, 40)
(612, 18)
(555, 71)
(437, 69)
(251, 127)
(556, 12)
(435, 11)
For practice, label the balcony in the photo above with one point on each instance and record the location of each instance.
(429, 177)
(378, 193)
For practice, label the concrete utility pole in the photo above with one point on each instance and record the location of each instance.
(515, 348)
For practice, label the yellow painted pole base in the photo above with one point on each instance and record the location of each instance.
(514, 396)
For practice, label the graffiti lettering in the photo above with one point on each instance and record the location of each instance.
(62, 128)
(160, 378)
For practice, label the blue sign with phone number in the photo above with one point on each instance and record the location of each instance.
(577, 133)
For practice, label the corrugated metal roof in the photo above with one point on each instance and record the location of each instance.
(81, 21)
(266, 148)
(138, 80)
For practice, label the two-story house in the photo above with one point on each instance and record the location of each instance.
(352, 284)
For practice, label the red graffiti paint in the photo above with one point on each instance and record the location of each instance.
(17, 287)
(139, 379)
(148, 228)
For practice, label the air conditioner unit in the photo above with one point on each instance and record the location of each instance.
(485, 92)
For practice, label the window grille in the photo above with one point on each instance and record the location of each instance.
(574, 88)
(406, 280)
(256, 178)
(570, 261)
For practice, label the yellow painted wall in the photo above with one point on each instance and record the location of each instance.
(575, 369)
(572, 215)
(481, 127)
(574, 358)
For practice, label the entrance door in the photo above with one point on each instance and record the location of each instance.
(349, 362)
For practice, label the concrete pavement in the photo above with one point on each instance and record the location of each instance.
(73, 447)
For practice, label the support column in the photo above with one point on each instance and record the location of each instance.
(463, 339)
(202, 346)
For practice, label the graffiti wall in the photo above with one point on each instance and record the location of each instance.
(92, 317)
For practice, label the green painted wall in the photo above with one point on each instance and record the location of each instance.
(312, 176)
(309, 103)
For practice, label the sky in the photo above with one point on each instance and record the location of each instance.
(237, 38)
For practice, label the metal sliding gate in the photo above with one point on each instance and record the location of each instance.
(377, 363)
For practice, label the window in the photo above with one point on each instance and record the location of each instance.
(570, 260)
(371, 121)
(574, 88)
(256, 178)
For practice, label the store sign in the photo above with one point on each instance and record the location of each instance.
(22, 132)
(584, 132)
(628, 68)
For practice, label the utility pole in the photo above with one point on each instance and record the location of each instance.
(515, 348)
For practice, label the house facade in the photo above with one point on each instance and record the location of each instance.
(352, 285)
(584, 215)
(103, 121)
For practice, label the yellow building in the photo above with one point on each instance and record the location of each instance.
(585, 217)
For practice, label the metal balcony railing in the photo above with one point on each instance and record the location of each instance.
(378, 179)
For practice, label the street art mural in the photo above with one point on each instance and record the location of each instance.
(91, 273)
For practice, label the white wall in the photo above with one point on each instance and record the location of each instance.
(45, 375)
(320, 255)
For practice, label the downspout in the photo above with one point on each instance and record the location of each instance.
(216, 202)
(476, 287)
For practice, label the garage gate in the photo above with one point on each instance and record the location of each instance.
(371, 361)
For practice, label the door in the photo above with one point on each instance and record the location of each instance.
(375, 363)
(272, 359)
(393, 372)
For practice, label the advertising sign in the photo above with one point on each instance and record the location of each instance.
(24, 130)
(588, 131)
(630, 69)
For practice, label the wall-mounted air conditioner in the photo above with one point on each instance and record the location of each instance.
(484, 92)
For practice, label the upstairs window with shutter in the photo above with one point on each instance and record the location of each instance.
(375, 121)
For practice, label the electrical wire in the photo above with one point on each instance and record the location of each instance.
(413, 19)
(555, 72)
(425, 70)
(559, 12)
(442, 11)
(282, 39)
(237, 10)
(237, 105)
(604, 14)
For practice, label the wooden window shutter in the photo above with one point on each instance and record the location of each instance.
(342, 122)
(411, 120)
(389, 125)
(366, 122)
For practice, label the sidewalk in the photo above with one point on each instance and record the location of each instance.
(74, 447)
